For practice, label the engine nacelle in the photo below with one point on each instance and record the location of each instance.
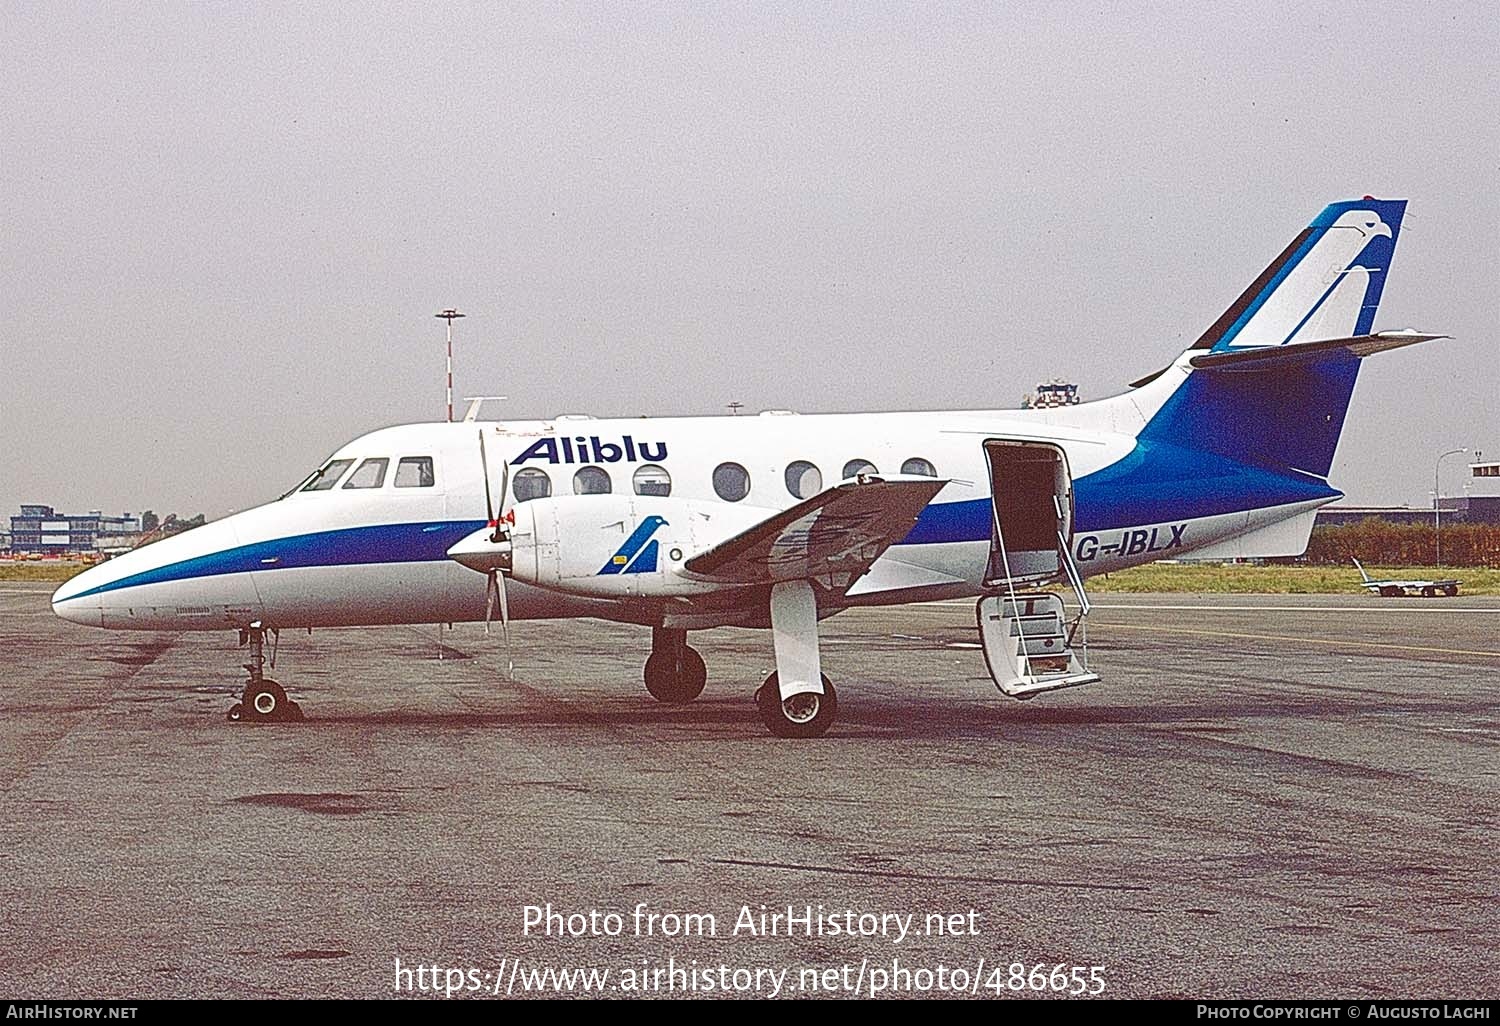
(619, 545)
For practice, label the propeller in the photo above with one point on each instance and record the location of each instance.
(494, 590)
(489, 500)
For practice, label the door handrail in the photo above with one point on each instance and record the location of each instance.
(1074, 577)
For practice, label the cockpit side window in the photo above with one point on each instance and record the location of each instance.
(371, 474)
(328, 476)
(415, 472)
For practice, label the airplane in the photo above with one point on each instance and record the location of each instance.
(1396, 587)
(781, 520)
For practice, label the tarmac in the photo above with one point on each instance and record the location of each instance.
(1266, 796)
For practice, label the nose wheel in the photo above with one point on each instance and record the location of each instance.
(263, 700)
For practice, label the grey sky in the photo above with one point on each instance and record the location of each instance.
(226, 227)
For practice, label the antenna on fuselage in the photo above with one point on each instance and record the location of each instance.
(476, 401)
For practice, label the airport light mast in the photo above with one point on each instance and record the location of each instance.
(1437, 512)
(450, 316)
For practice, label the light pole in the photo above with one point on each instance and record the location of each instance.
(450, 316)
(1437, 512)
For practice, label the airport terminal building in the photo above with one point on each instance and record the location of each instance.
(1479, 504)
(41, 529)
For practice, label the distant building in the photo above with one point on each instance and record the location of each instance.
(1051, 395)
(43, 530)
(1479, 504)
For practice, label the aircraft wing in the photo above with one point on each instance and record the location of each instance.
(837, 533)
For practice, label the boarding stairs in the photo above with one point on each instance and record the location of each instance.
(1031, 644)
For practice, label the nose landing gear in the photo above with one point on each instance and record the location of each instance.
(263, 700)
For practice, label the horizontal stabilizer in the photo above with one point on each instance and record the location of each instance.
(1269, 357)
(840, 531)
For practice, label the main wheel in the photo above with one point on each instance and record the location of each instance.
(1450, 590)
(804, 715)
(265, 701)
(1390, 592)
(1429, 592)
(675, 684)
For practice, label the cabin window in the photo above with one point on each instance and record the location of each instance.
(591, 481)
(328, 476)
(652, 480)
(731, 482)
(920, 467)
(371, 474)
(415, 472)
(803, 479)
(531, 483)
(854, 468)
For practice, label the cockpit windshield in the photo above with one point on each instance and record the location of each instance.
(327, 477)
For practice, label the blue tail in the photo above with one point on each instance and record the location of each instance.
(1283, 415)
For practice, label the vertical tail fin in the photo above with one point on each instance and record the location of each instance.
(1361, 570)
(1326, 284)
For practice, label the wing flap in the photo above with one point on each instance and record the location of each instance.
(840, 531)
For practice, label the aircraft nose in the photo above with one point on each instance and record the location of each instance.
(71, 601)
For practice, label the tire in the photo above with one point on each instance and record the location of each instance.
(265, 702)
(1429, 593)
(806, 718)
(670, 687)
(1390, 592)
(236, 713)
(1450, 590)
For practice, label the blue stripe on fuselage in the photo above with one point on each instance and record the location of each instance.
(1157, 483)
(1161, 482)
(350, 546)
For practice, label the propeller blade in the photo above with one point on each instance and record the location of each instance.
(484, 463)
(504, 490)
(494, 588)
(510, 660)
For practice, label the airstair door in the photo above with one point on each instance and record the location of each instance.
(1033, 512)
(1030, 645)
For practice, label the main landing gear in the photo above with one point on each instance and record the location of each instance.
(806, 714)
(263, 700)
(806, 707)
(797, 700)
(675, 673)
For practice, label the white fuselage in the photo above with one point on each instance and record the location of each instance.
(351, 556)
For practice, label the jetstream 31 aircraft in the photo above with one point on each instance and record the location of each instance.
(686, 524)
